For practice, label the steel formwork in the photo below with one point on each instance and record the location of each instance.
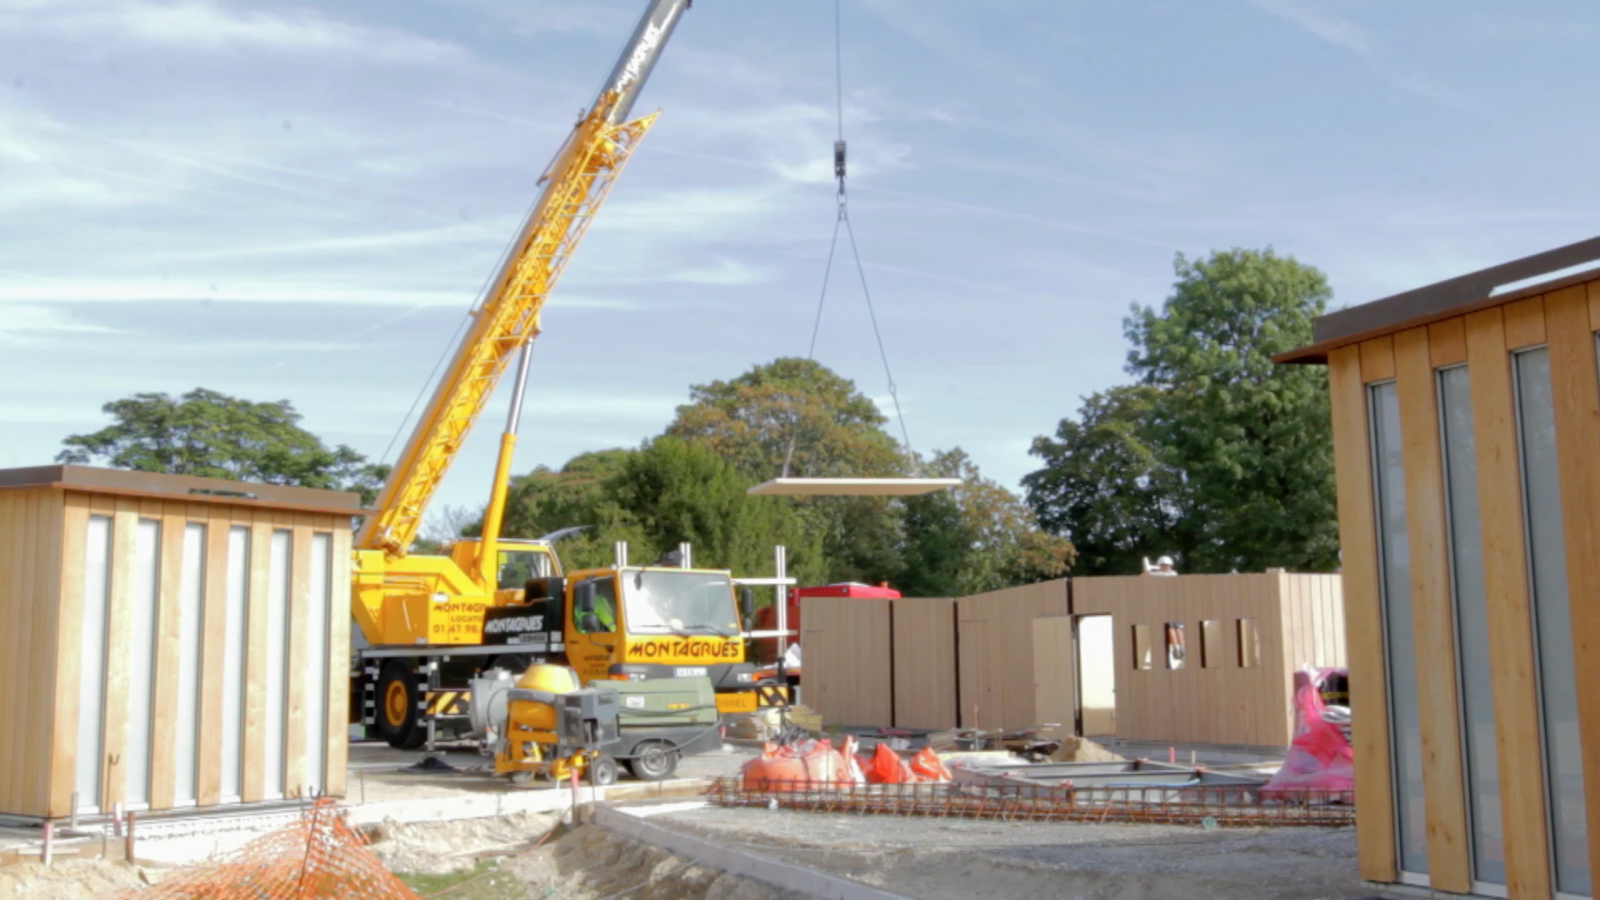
(1218, 805)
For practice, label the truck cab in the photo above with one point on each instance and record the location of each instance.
(634, 623)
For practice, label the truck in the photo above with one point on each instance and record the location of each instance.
(427, 623)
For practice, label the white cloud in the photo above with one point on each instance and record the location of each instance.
(34, 324)
(200, 25)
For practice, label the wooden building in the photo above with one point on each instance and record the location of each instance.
(170, 642)
(1466, 424)
(1191, 659)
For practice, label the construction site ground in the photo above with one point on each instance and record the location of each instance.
(473, 836)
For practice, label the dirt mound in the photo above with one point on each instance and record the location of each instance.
(1077, 749)
(69, 879)
(591, 863)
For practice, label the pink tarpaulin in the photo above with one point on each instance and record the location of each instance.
(1320, 763)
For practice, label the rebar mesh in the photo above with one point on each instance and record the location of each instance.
(318, 856)
(1221, 805)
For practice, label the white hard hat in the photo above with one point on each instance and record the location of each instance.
(1164, 561)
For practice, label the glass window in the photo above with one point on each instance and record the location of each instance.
(1211, 652)
(1395, 582)
(515, 566)
(1141, 646)
(1175, 648)
(1472, 626)
(1547, 560)
(679, 602)
(1249, 643)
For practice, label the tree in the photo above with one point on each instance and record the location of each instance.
(1102, 485)
(210, 434)
(752, 422)
(1005, 546)
(546, 500)
(1250, 439)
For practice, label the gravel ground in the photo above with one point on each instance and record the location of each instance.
(946, 859)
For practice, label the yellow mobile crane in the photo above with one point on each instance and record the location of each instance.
(429, 622)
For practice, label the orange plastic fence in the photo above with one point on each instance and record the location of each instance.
(316, 857)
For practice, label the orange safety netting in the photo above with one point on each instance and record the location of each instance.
(318, 856)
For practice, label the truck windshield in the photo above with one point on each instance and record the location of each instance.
(679, 602)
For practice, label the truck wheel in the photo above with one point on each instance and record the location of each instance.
(397, 707)
(601, 771)
(654, 761)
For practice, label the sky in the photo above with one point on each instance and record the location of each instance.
(300, 201)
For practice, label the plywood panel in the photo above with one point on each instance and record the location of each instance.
(1375, 839)
(1524, 323)
(14, 524)
(255, 735)
(1377, 359)
(1592, 289)
(1054, 687)
(209, 761)
(338, 660)
(848, 664)
(1449, 864)
(1447, 343)
(1505, 575)
(124, 551)
(925, 663)
(1576, 392)
(164, 731)
(63, 733)
(294, 779)
(996, 638)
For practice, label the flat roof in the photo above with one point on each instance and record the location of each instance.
(94, 480)
(1452, 297)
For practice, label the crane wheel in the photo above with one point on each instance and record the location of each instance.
(601, 771)
(397, 707)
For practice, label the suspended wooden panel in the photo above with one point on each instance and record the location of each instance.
(853, 487)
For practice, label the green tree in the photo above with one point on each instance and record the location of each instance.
(755, 421)
(211, 434)
(1005, 545)
(1102, 485)
(1250, 439)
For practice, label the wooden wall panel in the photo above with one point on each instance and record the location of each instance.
(1055, 693)
(23, 753)
(1449, 863)
(925, 664)
(294, 779)
(1358, 542)
(63, 733)
(213, 625)
(164, 730)
(338, 660)
(13, 525)
(996, 649)
(1377, 359)
(253, 777)
(1447, 343)
(1524, 323)
(1576, 393)
(1505, 576)
(124, 551)
(848, 666)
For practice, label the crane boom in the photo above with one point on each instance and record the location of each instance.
(575, 186)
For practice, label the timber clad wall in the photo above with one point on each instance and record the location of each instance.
(1008, 659)
(166, 653)
(1467, 448)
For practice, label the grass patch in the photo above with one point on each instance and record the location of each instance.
(485, 881)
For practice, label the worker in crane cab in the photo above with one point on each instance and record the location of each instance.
(601, 617)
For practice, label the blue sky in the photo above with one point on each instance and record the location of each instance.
(300, 201)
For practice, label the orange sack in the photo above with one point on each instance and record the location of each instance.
(927, 766)
(887, 767)
(795, 767)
